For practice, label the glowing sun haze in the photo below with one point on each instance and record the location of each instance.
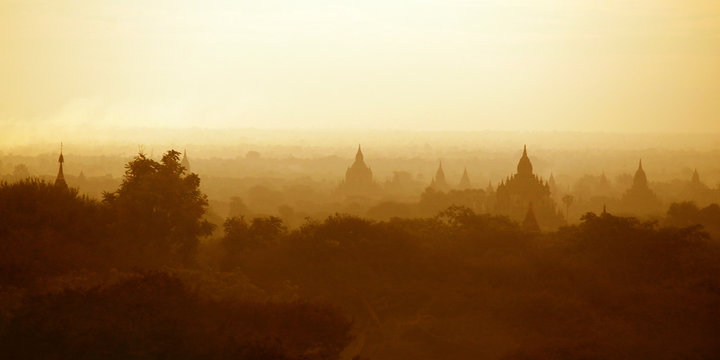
(614, 65)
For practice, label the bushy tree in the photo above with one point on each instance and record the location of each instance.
(46, 230)
(241, 236)
(689, 214)
(158, 210)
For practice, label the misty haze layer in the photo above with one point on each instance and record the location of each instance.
(431, 65)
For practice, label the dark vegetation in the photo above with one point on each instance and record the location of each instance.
(141, 275)
(154, 316)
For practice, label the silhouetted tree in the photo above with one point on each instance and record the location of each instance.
(689, 214)
(47, 230)
(241, 237)
(158, 209)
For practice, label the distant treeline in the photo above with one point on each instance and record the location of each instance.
(143, 274)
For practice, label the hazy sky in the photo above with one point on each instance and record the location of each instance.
(612, 65)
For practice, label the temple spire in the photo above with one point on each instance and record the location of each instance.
(359, 155)
(60, 179)
(640, 179)
(440, 174)
(358, 177)
(185, 162)
(524, 166)
(465, 181)
(439, 182)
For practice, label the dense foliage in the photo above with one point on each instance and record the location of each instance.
(154, 315)
(47, 230)
(456, 285)
(463, 285)
(158, 209)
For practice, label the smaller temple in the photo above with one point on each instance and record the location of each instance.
(81, 180)
(639, 199)
(358, 178)
(438, 182)
(465, 181)
(185, 162)
(60, 178)
(695, 178)
(604, 187)
(696, 191)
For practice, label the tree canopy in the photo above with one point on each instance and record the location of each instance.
(158, 208)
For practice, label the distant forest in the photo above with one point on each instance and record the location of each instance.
(146, 272)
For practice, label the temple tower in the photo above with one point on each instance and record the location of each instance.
(465, 181)
(60, 178)
(185, 162)
(514, 195)
(438, 182)
(639, 199)
(358, 177)
(524, 167)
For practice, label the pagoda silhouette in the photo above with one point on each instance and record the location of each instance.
(514, 195)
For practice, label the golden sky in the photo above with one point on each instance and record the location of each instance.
(610, 65)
